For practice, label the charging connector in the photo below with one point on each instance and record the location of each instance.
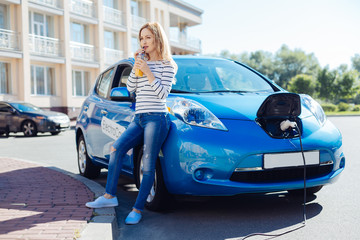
(285, 125)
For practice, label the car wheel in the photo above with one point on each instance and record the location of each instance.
(159, 198)
(29, 128)
(309, 191)
(86, 166)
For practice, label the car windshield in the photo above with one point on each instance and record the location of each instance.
(216, 75)
(26, 107)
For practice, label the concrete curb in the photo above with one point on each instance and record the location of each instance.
(104, 224)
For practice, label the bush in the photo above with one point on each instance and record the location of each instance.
(356, 108)
(328, 107)
(342, 107)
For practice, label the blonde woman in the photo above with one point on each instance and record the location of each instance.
(151, 123)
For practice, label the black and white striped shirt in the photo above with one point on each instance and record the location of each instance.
(152, 97)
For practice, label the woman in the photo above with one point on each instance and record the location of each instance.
(151, 123)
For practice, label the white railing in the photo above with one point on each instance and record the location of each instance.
(44, 45)
(183, 39)
(113, 16)
(137, 22)
(50, 3)
(8, 40)
(82, 7)
(112, 55)
(83, 52)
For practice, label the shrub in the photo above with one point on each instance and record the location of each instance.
(356, 108)
(328, 107)
(342, 107)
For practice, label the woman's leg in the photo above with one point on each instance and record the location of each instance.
(156, 128)
(132, 136)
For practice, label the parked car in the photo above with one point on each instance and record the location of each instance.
(24, 117)
(225, 136)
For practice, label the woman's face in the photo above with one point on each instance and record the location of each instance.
(147, 41)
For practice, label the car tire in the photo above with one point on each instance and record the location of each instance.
(309, 191)
(159, 198)
(86, 167)
(29, 128)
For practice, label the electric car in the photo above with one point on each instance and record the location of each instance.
(232, 131)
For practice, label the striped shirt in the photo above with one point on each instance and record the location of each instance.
(152, 97)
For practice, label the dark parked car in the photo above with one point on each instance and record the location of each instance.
(29, 119)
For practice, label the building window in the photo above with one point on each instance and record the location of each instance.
(40, 24)
(81, 83)
(109, 39)
(42, 80)
(4, 78)
(78, 32)
(134, 44)
(3, 17)
(109, 3)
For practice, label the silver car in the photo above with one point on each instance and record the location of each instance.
(29, 119)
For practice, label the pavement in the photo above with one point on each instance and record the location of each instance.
(37, 202)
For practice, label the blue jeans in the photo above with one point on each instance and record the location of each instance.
(150, 129)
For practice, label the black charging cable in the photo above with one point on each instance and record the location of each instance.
(292, 126)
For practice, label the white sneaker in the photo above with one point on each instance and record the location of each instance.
(101, 202)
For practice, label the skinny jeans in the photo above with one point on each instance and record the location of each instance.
(151, 129)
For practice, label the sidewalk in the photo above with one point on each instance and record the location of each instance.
(42, 203)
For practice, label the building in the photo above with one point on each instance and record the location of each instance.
(52, 50)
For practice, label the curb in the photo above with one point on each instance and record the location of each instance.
(104, 224)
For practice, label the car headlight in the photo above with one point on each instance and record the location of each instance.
(193, 113)
(314, 107)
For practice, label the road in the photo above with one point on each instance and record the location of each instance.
(334, 212)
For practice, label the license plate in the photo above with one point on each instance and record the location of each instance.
(279, 160)
(64, 125)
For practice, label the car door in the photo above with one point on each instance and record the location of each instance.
(110, 118)
(8, 117)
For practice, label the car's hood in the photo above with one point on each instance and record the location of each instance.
(47, 113)
(242, 106)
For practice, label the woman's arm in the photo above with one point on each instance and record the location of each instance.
(162, 86)
(131, 82)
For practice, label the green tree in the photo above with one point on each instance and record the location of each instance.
(347, 85)
(261, 61)
(325, 85)
(302, 83)
(356, 62)
(290, 63)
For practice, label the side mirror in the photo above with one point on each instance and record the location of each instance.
(120, 94)
(12, 111)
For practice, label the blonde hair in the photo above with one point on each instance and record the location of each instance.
(161, 41)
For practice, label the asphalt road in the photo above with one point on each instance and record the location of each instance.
(333, 213)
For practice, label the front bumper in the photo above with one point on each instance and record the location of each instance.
(200, 161)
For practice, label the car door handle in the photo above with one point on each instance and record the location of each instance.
(104, 112)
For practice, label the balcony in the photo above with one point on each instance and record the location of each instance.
(113, 16)
(82, 7)
(182, 41)
(137, 22)
(48, 3)
(112, 55)
(44, 46)
(8, 40)
(82, 52)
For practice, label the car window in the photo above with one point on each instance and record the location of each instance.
(124, 76)
(217, 75)
(4, 107)
(104, 83)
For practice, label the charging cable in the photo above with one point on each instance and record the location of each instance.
(286, 125)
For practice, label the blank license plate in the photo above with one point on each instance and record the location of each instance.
(278, 160)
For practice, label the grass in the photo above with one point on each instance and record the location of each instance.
(343, 113)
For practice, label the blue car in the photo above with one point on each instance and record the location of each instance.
(232, 131)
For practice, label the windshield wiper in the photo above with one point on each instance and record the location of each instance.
(179, 91)
(231, 91)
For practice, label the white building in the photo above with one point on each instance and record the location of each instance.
(52, 50)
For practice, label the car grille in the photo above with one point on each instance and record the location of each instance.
(282, 174)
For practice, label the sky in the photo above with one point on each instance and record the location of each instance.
(328, 28)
